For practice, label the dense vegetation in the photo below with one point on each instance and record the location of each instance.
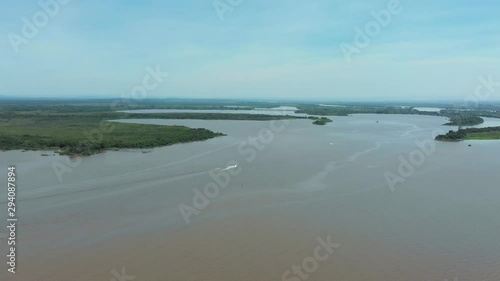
(452, 136)
(465, 121)
(84, 129)
(322, 121)
(210, 116)
(471, 134)
(102, 105)
(465, 116)
(462, 119)
(87, 134)
(346, 110)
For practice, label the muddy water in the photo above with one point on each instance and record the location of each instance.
(121, 209)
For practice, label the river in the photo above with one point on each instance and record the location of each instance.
(281, 186)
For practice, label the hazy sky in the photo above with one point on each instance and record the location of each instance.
(256, 49)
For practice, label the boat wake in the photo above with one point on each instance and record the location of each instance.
(227, 168)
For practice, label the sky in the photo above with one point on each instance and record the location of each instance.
(272, 49)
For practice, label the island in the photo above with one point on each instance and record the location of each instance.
(321, 121)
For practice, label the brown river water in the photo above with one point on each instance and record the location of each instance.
(259, 203)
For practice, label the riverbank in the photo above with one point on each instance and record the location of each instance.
(489, 133)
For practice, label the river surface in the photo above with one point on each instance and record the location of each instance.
(282, 110)
(429, 109)
(276, 196)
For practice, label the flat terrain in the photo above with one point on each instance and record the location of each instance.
(488, 133)
(84, 129)
(86, 134)
(484, 136)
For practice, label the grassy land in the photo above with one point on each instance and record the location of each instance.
(490, 133)
(483, 136)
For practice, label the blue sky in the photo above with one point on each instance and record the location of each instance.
(262, 49)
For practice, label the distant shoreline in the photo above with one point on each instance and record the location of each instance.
(82, 128)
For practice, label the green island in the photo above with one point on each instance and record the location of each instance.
(489, 133)
(321, 121)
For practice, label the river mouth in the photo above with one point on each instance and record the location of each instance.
(438, 222)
